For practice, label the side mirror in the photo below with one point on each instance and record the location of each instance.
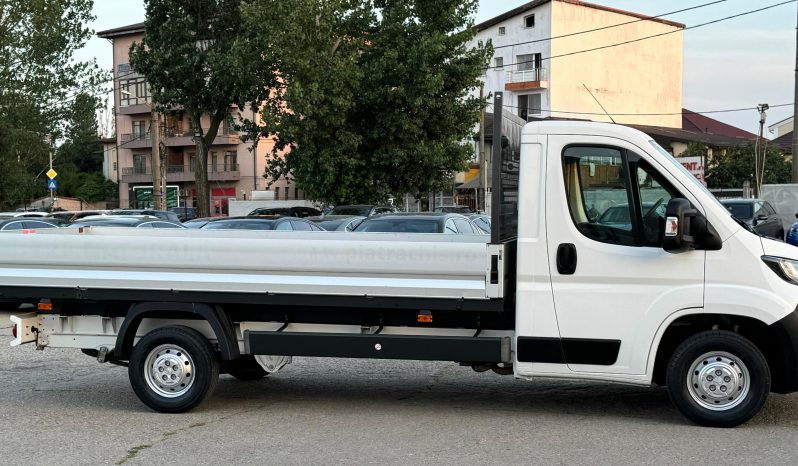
(761, 217)
(796, 215)
(687, 229)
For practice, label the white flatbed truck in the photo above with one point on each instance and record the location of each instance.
(607, 262)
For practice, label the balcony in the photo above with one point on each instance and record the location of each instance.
(136, 140)
(521, 80)
(182, 173)
(183, 138)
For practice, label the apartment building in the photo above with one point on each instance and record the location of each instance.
(538, 66)
(234, 169)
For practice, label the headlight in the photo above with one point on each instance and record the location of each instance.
(785, 268)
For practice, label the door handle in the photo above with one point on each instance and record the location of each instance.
(566, 259)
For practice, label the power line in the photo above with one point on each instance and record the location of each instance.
(648, 18)
(689, 112)
(649, 37)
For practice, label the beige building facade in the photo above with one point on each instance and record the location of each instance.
(540, 65)
(235, 168)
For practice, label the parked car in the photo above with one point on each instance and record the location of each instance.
(162, 214)
(198, 223)
(337, 222)
(758, 214)
(300, 212)
(454, 209)
(362, 210)
(792, 234)
(75, 215)
(423, 222)
(480, 221)
(184, 213)
(126, 221)
(263, 223)
(26, 223)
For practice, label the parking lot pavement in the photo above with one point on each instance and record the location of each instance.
(61, 407)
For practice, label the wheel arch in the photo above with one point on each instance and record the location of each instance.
(220, 323)
(775, 342)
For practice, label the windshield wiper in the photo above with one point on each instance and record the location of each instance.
(745, 225)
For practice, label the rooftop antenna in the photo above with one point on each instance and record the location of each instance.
(599, 103)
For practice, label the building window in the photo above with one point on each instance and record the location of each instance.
(502, 31)
(138, 129)
(214, 162)
(498, 62)
(529, 21)
(532, 61)
(296, 193)
(140, 164)
(133, 91)
(529, 105)
(114, 166)
(230, 161)
(277, 194)
(228, 126)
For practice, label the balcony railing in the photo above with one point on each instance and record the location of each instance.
(525, 76)
(182, 173)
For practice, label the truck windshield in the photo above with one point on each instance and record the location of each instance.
(690, 176)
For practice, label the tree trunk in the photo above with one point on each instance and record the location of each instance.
(203, 142)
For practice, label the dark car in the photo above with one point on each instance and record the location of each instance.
(162, 214)
(27, 223)
(198, 223)
(362, 210)
(757, 213)
(184, 213)
(118, 221)
(424, 222)
(263, 223)
(299, 212)
(337, 222)
(454, 209)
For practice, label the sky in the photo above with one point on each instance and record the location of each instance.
(737, 63)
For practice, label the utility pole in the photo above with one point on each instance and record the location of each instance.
(50, 150)
(155, 129)
(483, 173)
(759, 159)
(795, 117)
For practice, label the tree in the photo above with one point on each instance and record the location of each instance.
(375, 94)
(187, 57)
(38, 81)
(736, 167)
(80, 156)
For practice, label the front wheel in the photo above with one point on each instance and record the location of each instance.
(173, 369)
(718, 379)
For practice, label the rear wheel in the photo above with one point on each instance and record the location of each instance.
(718, 379)
(173, 369)
(247, 368)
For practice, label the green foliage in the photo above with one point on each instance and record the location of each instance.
(79, 159)
(375, 93)
(737, 166)
(187, 57)
(38, 80)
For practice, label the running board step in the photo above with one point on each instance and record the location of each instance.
(348, 345)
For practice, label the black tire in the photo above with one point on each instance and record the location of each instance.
(247, 368)
(700, 358)
(177, 347)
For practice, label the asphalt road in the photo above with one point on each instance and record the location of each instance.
(61, 407)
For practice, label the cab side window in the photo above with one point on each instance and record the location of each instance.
(598, 194)
(615, 196)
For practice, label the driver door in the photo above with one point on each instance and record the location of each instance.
(613, 283)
